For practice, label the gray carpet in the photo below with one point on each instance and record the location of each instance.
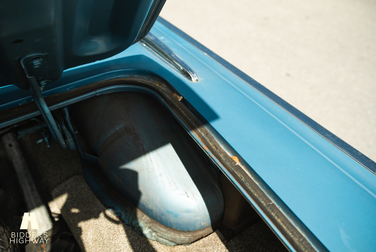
(97, 229)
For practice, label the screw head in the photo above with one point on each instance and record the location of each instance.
(36, 62)
(43, 82)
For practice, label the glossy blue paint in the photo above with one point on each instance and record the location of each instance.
(327, 189)
(330, 192)
(361, 158)
(57, 35)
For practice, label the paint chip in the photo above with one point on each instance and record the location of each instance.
(177, 96)
(236, 159)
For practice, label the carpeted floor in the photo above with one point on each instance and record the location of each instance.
(58, 174)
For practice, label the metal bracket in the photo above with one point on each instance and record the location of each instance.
(166, 54)
(82, 154)
(36, 70)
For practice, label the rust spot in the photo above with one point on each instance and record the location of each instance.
(177, 96)
(18, 108)
(158, 84)
(236, 159)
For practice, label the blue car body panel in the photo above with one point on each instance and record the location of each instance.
(332, 192)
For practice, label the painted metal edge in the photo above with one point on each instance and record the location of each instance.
(326, 134)
(287, 226)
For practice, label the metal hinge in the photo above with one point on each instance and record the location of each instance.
(36, 71)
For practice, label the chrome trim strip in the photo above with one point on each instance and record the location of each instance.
(156, 46)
